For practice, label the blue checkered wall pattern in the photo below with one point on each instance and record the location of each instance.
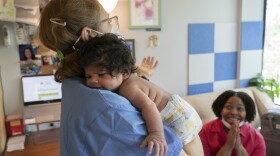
(213, 60)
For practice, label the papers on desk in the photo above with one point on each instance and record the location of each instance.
(27, 11)
(22, 11)
(28, 16)
(7, 11)
(15, 143)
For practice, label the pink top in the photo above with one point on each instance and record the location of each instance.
(213, 137)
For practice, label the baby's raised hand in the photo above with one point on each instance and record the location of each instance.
(157, 142)
(147, 66)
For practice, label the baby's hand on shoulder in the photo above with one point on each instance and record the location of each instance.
(157, 141)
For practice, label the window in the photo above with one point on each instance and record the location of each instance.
(271, 57)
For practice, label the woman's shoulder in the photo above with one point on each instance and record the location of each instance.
(83, 103)
(212, 126)
(212, 123)
(250, 130)
(74, 89)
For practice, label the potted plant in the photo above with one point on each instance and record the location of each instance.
(268, 85)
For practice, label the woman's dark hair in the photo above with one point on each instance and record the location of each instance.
(221, 100)
(31, 51)
(107, 51)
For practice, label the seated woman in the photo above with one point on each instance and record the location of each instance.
(231, 134)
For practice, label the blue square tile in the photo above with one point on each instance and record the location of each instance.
(252, 35)
(244, 83)
(200, 88)
(225, 66)
(201, 38)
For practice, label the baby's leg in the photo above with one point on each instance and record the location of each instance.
(183, 153)
(184, 120)
(194, 148)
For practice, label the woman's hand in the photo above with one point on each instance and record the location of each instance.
(240, 150)
(157, 141)
(233, 134)
(147, 66)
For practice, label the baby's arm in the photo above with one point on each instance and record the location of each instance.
(151, 116)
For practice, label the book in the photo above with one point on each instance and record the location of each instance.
(15, 143)
(14, 124)
(7, 11)
(27, 11)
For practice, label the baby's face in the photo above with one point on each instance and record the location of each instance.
(99, 78)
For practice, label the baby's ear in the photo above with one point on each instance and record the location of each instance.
(126, 73)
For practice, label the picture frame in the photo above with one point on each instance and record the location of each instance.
(130, 43)
(144, 14)
(27, 47)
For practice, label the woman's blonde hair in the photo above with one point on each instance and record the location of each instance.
(71, 17)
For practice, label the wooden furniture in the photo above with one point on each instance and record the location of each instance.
(44, 116)
(3, 134)
(41, 143)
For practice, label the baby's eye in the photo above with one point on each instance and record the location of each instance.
(87, 76)
(101, 74)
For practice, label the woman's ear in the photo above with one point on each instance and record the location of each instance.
(85, 34)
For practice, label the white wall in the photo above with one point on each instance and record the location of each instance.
(171, 73)
(10, 73)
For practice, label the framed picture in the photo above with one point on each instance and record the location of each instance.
(131, 45)
(144, 14)
(27, 52)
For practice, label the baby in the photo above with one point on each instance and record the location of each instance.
(108, 64)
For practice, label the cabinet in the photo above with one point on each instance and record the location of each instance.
(42, 117)
(43, 143)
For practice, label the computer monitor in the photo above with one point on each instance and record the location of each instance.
(40, 89)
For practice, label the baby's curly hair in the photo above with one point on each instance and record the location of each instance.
(221, 100)
(107, 51)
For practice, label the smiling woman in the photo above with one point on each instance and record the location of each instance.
(230, 133)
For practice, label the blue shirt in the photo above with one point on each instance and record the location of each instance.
(102, 123)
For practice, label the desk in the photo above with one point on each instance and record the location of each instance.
(42, 143)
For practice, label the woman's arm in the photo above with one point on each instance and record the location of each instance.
(240, 150)
(233, 141)
(260, 147)
(203, 137)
